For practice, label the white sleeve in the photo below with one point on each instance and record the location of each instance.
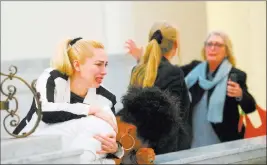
(77, 108)
(120, 152)
(46, 88)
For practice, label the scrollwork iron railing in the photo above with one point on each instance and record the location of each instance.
(10, 94)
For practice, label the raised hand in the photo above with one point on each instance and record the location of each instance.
(133, 50)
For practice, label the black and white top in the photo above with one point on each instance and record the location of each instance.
(59, 104)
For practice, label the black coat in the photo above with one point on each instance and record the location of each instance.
(171, 78)
(228, 129)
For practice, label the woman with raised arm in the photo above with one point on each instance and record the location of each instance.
(155, 69)
(217, 88)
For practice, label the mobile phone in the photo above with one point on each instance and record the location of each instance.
(233, 77)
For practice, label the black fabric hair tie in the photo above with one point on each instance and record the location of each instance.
(157, 36)
(75, 40)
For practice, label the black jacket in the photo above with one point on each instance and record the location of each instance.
(171, 78)
(228, 129)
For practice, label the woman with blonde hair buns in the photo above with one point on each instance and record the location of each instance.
(75, 105)
(154, 69)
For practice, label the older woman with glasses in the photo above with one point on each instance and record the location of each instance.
(217, 88)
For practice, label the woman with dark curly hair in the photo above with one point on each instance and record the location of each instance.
(156, 116)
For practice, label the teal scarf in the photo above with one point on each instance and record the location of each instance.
(217, 98)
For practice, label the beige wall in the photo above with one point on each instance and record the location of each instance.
(188, 17)
(257, 72)
(118, 24)
(32, 29)
(245, 23)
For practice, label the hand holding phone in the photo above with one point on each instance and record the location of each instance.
(233, 77)
(233, 88)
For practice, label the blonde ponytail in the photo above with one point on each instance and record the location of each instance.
(61, 60)
(161, 40)
(145, 73)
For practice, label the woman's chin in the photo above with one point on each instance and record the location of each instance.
(212, 59)
(97, 85)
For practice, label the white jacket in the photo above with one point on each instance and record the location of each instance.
(54, 89)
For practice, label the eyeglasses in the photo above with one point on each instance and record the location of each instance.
(215, 45)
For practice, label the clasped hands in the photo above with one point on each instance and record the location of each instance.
(108, 142)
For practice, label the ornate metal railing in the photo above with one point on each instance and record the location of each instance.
(10, 96)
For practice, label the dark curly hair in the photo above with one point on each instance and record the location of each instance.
(156, 114)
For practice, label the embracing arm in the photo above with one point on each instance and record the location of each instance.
(57, 112)
(189, 67)
(247, 101)
(177, 86)
(179, 89)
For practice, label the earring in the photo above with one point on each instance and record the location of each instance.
(131, 137)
